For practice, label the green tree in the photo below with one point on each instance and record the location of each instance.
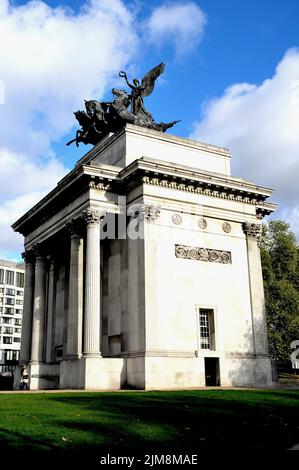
(280, 262)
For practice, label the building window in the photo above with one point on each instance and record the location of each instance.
(17, 330)
(17, 340)
(7, 340)
(12, 355)
(19, 302)
(207, 329)
(10, 292)
(20, 292)
(9, 301)
(20, 280)
(10, 277)
(7, 320)
(18, 321)
(1, 300)
(1, 276)
(1, 290)
(19, 311)
(7, 330)
(9, 311)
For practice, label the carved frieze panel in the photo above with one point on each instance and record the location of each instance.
(203, 254)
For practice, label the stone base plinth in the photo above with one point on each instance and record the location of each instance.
(92, 373)
(41, 376)
(263, 372)
(173, 372)
(157, 373)
(246, 372)
(146, 373)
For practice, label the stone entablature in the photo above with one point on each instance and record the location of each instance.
(145, 172)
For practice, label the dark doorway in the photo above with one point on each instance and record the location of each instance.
(212, 371)
(6, 382)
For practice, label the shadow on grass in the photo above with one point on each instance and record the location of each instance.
(200, 420)
(172, 422)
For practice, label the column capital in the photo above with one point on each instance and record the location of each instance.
(75, 227)
(51, 259)
(252, 230)
(39, 251)
(147, 212)
(93, 216)
(28, 256)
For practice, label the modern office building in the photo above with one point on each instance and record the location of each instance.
(11, 310)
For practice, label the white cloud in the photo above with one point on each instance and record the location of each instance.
(4, 7)
(22, 184)
(260, 124)
(51, 59)
(28, 174)
(180, 24)
(10, 211)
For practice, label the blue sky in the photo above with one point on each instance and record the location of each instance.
(232, 77)
(243, 42)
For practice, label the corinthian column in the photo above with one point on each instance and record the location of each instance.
(28, 257)
(49, 333)
(92, 311)
(75, 304)
(38, 326)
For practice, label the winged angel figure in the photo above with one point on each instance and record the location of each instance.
(144, 89)
(102, 118)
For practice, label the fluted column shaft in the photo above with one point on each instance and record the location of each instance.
(27, 307)
(92, 324)
(75, 304)
(49, 335)
(38, 326)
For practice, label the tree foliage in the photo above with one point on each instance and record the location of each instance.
(280, 263)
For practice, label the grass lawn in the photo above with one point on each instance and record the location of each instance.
(130, 422)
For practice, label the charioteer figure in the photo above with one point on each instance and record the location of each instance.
(101, 118)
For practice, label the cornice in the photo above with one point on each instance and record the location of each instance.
(145, 171)
(173, 171)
